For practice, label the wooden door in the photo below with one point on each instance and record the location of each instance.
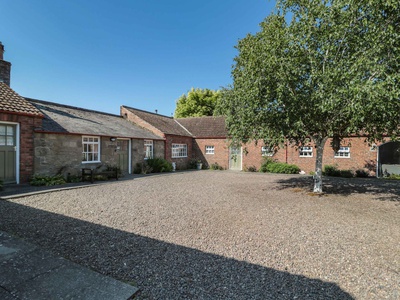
(123, 155)
(8, 151)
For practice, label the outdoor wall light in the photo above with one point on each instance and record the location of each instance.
(113, 139)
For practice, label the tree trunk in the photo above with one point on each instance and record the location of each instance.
(319, 143)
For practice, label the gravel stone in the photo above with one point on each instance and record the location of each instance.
(225, 235)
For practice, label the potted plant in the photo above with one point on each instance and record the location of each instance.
(199, 164)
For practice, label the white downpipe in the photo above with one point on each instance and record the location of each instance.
(130, 157)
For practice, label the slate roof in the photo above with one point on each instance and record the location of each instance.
(11, 102)
(167, 125)
(202, 127)
(60, 118)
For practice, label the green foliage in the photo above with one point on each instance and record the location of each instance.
(330, 170)
(393, 177)
(192, 164)
(333, 171)
(73, 178)
(317, 69)
(272, 166)
(154, 165)
(159, 165)
(216, 166)
(197, 103)
(250, 169)
(362, 173)
(43, 180)
(142, 168)
(346, 173)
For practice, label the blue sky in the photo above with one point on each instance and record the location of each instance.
(141, 53)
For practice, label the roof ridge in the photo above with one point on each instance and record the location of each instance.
(70, 106)
(147, 112)
(183, 127)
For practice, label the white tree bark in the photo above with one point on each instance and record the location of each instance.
(320, 144)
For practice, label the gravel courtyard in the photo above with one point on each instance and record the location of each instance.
(225, 235)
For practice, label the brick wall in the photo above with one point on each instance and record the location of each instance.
(130, 116)
(27, 126)
(221, 151)
(181, 163)
(361, 155)
(5, 71)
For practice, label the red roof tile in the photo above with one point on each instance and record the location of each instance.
(11, 102)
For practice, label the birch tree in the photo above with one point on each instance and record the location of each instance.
(317, 70)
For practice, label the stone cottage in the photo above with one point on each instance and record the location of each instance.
(72, 138)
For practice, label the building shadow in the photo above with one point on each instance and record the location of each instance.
(382, 189)
(160, 269)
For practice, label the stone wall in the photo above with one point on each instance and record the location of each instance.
(60, 153)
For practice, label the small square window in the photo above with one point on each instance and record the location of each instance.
(306, 151)
(344, 152)
(267, 151)
(210, 150)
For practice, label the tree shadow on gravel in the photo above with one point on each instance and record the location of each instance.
(161, 270)
(385, 190)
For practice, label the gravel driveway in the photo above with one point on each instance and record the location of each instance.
(224, 235)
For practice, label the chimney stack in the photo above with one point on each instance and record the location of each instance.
(5, 67)
(1, 51)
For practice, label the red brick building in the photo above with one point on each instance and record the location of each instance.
(205, 139)
(18, 120)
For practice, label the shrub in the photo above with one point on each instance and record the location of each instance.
(362, 173)
(216, 166)
(43, 180)
(346, 173)
(73, 178)
(142, 168)
(330, 170)
(272, 166)
(393, 177)
(159, 165)
(250, 169)
(192, 164)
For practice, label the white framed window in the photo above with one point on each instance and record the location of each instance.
(179, 150)
(7, 135)
(267, 151)
(306, 151)
(344, 152)
(91, 149)
(148, 149)
(210, 150)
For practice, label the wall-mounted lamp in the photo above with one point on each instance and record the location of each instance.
(113, 139)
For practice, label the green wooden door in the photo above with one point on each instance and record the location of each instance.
(123, 156)
(235, 158)
(8, 151)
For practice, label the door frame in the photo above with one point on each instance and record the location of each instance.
(241, 157)
(129, 153)
(17, 154)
